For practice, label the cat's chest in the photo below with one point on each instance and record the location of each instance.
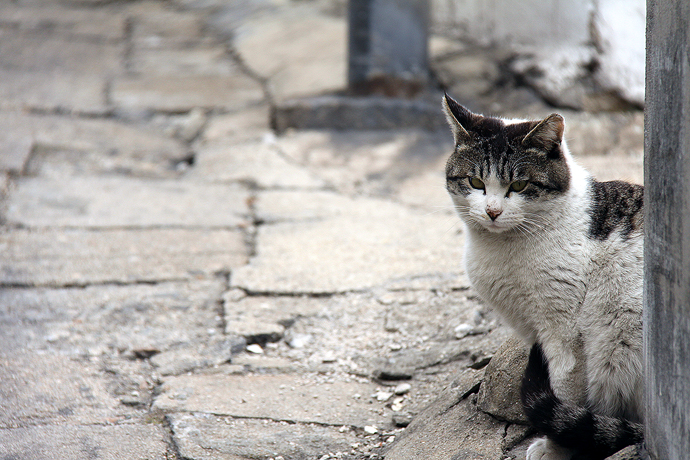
(523, 277)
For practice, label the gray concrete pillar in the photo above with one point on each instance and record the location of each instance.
(667, 230)
(387, 46)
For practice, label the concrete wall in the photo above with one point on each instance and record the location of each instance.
(524, 22)
(567, 40)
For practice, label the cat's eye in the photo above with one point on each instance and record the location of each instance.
(518, 186)
(476, 182)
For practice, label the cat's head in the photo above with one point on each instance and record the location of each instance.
(504, 175)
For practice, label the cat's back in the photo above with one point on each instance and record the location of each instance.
(616, 210)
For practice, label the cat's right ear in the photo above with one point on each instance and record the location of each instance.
(458, 117)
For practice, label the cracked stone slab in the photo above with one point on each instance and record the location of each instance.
(196, 61)
(56, 91)
(451, 427)
(155, 25)
(273, 206)
(500, 392)
(258, 163)
(237, 127)
(211, 437)
(213, 351)
(370, 162)
(373, 243)
(293, 398)
(169, 93)
(278, 45)
(110, 319)
(81, 257)
(81, 23)
(74, 442)
(16, 143)
(264, 319)
(63, 146)
(38, 388)
(56, 74)
(98, 202)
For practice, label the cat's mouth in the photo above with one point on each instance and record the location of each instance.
(495, 227)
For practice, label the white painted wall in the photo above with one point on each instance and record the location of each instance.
(611, 31)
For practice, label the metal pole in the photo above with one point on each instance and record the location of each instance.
(667, 230)
(387, 46)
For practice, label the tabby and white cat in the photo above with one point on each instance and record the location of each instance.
(559, 256)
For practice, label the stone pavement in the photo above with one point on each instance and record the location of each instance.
(178, 282)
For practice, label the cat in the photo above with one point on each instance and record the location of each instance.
(558, 256)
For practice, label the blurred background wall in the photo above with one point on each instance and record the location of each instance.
(560, 45)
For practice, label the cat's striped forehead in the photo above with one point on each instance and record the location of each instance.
(494, 147)
(495, 144)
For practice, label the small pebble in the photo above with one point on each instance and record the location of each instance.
(402, 420)
(255, 348)
(402, 389)
(463, 328)
(300, 340)
(370, 429)
(383, 396)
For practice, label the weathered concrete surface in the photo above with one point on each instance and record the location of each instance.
(291, 398)
(352, 252)
(278, 46)
(211, 437)
(97, 202)
(136, 442)
(499, 394)
(64, 146)
(109, 319)
(258, 163)
(166, 255)
(81, 257)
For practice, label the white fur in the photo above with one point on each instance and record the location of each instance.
(579, 297)
(545, 449)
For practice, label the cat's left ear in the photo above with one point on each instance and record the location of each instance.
(459, 119)
(547, 134)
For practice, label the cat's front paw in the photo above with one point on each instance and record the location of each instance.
(545, 449)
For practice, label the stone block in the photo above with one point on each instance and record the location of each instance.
(258, 163)
(16, 143)
(177, 62)
(101, 202)
(211, 437)
(358, 113)
(52, 91)
(279, 46)
(64, 146)
(41, 388)
(499, 394)
(111, 319)
(291, 398)
(70, 442)
(156, 26)
(264, 319)
(300, 206)
(370, 162)
(237, 127)
(451, 427)
(373, 244)
(77, 23)
(81, 257)
(188, 357)
(56, 74)
(37, 54)
(183, 93)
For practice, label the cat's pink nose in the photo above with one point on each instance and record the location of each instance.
(493, 213)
